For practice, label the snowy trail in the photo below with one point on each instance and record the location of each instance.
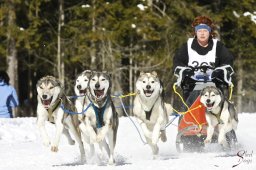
(22, 149)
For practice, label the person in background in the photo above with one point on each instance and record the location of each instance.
(203, 49)
(8, 96)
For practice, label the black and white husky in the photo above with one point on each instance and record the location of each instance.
(50, 99)
(219, 112)
(100, 122)
(150, 109)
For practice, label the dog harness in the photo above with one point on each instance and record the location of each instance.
(148, 113)
(99, 113)
(217, 117)
(52, 109)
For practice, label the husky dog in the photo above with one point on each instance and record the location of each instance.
(101, 120)
(50, 99)
(150, 109)
(82, 101)
(219, 111)
(81, 90)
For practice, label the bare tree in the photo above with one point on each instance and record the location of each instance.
(12, 62)
(60, 53)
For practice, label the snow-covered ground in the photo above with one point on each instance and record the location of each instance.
(21, 149)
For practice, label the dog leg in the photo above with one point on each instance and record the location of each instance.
(56, 140)
(86, 138)
(42, 118)
(153, 147)
(163, 135)
(156, 133)
(210, 131)
(87, 129)
(111, 142)
(222, 138)
(77, 136)
(102, 132)
(68, 136)
(144, 128)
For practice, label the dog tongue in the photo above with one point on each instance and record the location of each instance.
(99, 93)
(209, 105)
(46, 102)
(82, 91)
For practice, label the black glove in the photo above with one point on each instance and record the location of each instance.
(187, 73)
(218, 76)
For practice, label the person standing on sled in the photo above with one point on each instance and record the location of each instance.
(203, 50)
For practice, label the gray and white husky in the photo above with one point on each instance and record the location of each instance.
(101, 120)
(150, 109)
(50, 99)
(219, 112)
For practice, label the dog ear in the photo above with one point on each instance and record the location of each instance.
(202, 92)
(154, 73)
(142, 73)
(161, 86)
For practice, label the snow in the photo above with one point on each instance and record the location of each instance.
(22, 149)
(252, 15)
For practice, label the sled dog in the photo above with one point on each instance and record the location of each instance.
(80, 89)
(219, 112)
(82, 102)
(150, 109)
(50, 99)
(101, 120)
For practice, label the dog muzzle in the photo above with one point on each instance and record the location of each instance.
(148, 93)
(99, 94)
(46, 102)
(209, 106)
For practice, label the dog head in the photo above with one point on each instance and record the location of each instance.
(148, 84)
(82, 83)
(211, 97)
(49, 89)
(99, 85)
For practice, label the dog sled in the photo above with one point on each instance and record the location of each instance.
(192, 125)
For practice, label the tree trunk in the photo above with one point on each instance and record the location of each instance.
(239, 84)
(60, 53)
(12, 62)
(93, 45)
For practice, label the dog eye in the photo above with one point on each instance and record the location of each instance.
(152, 81)
(40, 87)
(51, 87)
(144, 81)
(93, 79)
(103, 79)
(85, 80)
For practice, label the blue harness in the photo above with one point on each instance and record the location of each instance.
(99, 113)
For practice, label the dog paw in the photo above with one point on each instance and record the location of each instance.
(111, 161)
(207, 141)
(54, 148)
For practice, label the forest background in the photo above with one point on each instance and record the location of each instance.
(64, 37)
